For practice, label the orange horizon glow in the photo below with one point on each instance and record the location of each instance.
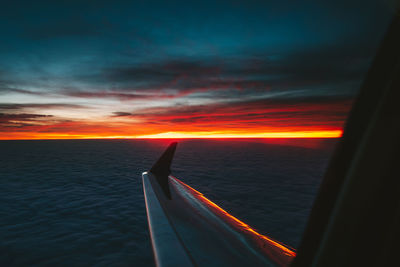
(239, 120)
(293, 134)
(175, 135)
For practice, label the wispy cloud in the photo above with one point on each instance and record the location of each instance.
(323, 112)
(21, 119)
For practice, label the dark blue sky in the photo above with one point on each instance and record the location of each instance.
(136, 62)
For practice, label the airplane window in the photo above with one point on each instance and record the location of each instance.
(256, 93)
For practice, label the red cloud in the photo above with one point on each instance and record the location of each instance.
(245, 118)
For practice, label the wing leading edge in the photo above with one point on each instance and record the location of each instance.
(187, 229)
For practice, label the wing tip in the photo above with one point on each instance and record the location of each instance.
(163, 164)
(162, 168)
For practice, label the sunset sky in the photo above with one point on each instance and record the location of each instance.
(120, 69)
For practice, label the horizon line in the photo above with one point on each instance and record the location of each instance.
(183, 135)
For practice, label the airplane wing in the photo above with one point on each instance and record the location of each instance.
(187, 229)
(355, 218)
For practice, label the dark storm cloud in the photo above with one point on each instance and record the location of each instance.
(121, 114)
(23, 116)
(163, 71)
(21, 119)
(318, 67)
(176, 74)
(323, 67)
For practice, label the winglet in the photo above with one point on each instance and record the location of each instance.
(162, 168)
